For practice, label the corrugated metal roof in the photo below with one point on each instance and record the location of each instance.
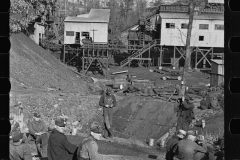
(218, 61)
(186, 16)
(95, 15)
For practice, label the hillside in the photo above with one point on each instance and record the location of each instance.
(32, 67)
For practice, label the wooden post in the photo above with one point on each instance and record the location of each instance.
(64, 53)
(212, 53)
(174, 55)
(160, 64)
(107, 64)
(149, 57)
(196, 53)
(83, 63)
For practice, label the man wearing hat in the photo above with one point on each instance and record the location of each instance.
(185, 113)
(171, 145)
(188, 147)
(59, 148)
(19, 150)
(14, 125)
(108, 101)
(88, 149)
(38, 133)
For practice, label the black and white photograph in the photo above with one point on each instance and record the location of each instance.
(116, 80)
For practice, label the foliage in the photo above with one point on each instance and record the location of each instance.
(22, 12)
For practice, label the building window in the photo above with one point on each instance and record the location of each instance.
(85, 34)
(219, 27)
(203, 26)
(184, 26)
(201, 38)
(69, 33)
(170, 25)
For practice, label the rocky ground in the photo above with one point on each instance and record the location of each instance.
(43, 84)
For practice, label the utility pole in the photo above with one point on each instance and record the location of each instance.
(93, 33)
(65, 7)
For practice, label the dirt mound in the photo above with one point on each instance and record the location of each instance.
(142, 118)
(33, 67)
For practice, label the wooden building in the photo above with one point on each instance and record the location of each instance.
(38, 34)
(217, 72)
(92, 26)
(207, 31)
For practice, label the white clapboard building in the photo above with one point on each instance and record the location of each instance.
(207, 30)
(93, 25)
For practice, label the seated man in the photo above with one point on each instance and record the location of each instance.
(58, 145)
(171, 145)
(38, 133)
(18, 149)
(188, 147)
(88, 149)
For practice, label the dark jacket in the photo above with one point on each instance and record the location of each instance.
(102, 101)
(171, 147)
(59, 148)
(19, 151)
(187, 149)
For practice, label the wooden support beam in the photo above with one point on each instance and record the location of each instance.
(89, 65)
(83, 61)
(64, 53)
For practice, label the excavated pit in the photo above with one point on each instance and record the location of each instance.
(143, 118)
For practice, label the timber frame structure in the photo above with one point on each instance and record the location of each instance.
(141, 52)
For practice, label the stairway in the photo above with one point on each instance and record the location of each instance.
(138, 53)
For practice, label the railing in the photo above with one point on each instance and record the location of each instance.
(138, 53)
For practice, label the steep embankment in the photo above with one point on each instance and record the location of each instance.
(33, 67)
(45, 85)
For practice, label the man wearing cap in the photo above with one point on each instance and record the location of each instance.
(188, 147)
(14, 125)
(88, 149)
(38, 133)
(108, 101)
(19, 150)
(185, 113)
(171, 145)
(59, 148)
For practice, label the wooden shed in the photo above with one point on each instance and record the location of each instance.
(93, 25)
(217, 72)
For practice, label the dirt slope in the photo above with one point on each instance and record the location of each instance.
(143, 118)
(33, 67)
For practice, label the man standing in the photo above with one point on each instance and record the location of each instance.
(18, 149)
(188, 147)
(185, 113)
(88, 149)
(14, 125)
(38, 133)
(171, 145)
(108, 101)
(59, 148)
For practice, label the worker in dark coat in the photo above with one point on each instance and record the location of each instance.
(171, 145)
(187, 148)
(17, 149)
(59, 148)
(108, 102)
(88, 149)
(38, 133)
(185, 113)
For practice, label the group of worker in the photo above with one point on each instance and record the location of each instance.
(52, 143)
(185, 144)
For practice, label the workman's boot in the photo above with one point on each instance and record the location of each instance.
(110, 133)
